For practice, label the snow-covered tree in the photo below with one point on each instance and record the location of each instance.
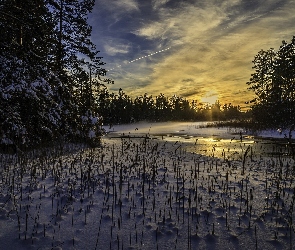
(76, 59)
(43, 43)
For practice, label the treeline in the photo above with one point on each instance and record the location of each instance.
(118, 108)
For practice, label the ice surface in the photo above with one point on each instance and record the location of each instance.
(190, 129)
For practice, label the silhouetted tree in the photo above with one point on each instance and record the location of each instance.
(216, 111)
(273, 82)
(231, 112)
(162, 108)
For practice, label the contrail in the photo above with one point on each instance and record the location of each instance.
(140, 58)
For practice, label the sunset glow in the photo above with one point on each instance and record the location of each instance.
(209, 98)
(211, 44)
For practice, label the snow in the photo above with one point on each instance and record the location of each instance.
(189, 128)
(91, 134)
(6, 141)
(147, 189)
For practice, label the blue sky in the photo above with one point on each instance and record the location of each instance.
(199, 50)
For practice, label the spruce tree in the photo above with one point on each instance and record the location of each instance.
(273, 83)
(28, 88)
(46, 56)
(76, 61)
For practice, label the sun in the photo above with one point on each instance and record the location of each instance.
(210, 97)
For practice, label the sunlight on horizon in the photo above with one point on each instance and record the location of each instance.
(211, 97)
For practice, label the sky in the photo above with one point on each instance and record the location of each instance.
(197, 49)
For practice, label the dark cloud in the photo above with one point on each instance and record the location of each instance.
(189, 94)
(188, 80)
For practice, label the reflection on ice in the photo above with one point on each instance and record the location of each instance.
(222, 148)
(228, 143)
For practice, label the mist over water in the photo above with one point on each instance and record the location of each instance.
(222, 142)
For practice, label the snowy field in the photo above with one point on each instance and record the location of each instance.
(163, 186)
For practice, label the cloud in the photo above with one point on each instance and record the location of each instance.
(113, 50)
(212, 45)
(181, 25)
(218, 44)
(158, 3)
(107, 14)
(188, 80)
(119, 6)
(129, 5)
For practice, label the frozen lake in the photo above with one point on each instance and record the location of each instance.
(222, 142)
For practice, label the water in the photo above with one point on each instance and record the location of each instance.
(227, 143)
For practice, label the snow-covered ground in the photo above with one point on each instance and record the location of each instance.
(158, 191)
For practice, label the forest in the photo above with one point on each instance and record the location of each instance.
(53, 85)
(117, 108)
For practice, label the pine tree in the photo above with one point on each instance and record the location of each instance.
(273, 82)
(76, 61)
(41, 67)
(72, 37)
(27, 86)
